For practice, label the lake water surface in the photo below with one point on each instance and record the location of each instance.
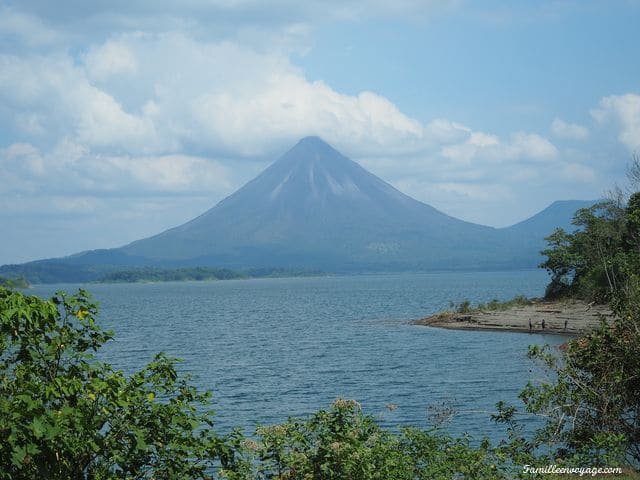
(273, 348)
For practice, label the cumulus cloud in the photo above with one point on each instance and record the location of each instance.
(623, 111)
(486, 147)
(572, 131)
(466, 151)
(289, 106)
(148, 94)
(112, 58)
(530, 146)
(72, 170)
(58, 100)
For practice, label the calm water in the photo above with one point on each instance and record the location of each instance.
(272, 348)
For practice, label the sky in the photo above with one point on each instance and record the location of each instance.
(120, 119)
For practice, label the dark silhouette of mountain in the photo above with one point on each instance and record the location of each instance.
(557, 215)
(530, 234)
(315, 208)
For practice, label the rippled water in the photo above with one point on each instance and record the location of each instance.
(273, 348)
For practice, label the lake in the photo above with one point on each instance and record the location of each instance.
(273, 348)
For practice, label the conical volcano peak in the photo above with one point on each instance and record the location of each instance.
(311, 170)
(313, 142)
(313, 150)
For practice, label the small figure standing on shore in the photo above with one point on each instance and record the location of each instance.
(565, 324)
(530, 325)
(543, 323)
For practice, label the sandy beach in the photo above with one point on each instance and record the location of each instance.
(567, 317)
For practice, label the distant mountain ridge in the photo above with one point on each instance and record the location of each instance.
(315, 208)
(554, 216)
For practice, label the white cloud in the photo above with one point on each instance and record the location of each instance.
(112, 58)
(623, 111)
(483, 147)
(102, 122)
(21, 166)
(530, 146)
(571, 131)
(476, 143)
(157, 94)
(26, 28)
(442, 131)
(288, 107)
(577, 172)
(72, 170)
(51, 96)
(474, 191)
(173, 173)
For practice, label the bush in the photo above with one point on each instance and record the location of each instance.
(343, 443)
(66, 415)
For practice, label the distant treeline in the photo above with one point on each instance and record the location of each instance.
(153, 274)
(19, 282)
(20, 276)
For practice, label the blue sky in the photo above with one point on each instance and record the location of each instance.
(121, 119)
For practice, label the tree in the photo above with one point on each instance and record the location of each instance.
(591, 399)
(66, 415)
(562, 263)
(588, 262)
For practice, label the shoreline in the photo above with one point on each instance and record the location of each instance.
(563, 317)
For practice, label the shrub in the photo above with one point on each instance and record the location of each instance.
(343, 443)
(66, 415)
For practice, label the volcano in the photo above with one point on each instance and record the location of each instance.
(314, 208)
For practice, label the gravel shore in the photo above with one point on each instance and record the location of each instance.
(566, 317)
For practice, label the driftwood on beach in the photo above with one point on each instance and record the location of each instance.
(568, 317)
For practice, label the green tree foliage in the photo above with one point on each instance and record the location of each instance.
(591, 399)
(19, 282)
(588, 262)
(66, 415)
(343, 443)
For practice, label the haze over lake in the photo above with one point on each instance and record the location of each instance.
(271, 348)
